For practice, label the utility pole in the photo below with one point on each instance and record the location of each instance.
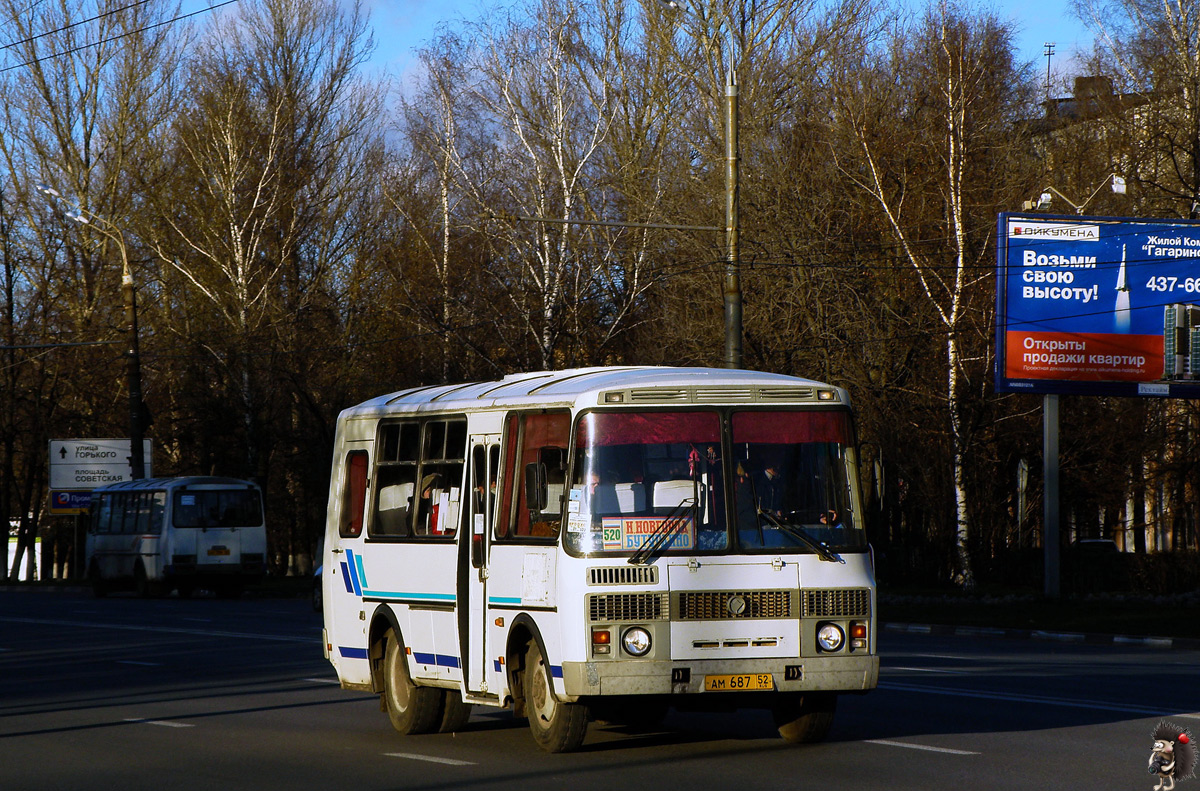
(733, 280)
(1049, 53)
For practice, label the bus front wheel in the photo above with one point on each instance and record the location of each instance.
(411, 709)
(806, 718)
(557, 727)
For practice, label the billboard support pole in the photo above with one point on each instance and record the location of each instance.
(1050, 546)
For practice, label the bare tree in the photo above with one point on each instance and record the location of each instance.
(931, 127)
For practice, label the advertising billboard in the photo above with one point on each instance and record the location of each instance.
(1097, 306)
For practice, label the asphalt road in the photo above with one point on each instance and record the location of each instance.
(174, 695)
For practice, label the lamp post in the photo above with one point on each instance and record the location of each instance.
(133, 364)
(1043, 201)
(733, 281)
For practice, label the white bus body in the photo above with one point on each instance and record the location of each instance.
(604, 543)
(156, 534)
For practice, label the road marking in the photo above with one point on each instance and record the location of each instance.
(163, 723)
(430, 758)
(134, 662)
(925, 747)
(1039, 699)
(929, 670)
(322, 680)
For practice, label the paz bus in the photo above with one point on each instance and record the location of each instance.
(155, 534)
(600, 543)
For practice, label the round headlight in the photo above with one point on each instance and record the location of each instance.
(830, 637)
(636, 641)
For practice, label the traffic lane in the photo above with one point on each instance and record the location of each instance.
(1122, 681)
(62, 660)
(334, 735)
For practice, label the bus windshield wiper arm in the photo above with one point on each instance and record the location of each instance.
(658, 541)
(798, 533)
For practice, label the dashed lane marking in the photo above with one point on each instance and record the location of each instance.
(431, 758)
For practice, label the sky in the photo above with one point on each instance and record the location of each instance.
(403, 25)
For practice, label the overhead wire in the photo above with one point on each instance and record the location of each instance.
(91, 44)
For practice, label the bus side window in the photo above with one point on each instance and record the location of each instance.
(542, 452)
(442, 462)
(354, 495)
(101, 515)
(157, 506)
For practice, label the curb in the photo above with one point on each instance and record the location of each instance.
(941, 630)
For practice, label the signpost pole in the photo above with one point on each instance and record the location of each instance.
(1050, 495)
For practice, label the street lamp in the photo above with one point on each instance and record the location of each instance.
(1117, 183)
(133, 368)
(733, 282)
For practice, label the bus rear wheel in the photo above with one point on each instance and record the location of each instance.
(557, 727)
(411, 709)
(805, 718)
(455, 713)
(145, 587)
(99, 584)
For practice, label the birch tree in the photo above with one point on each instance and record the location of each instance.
(930, 131)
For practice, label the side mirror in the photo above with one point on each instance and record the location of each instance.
(535, 486)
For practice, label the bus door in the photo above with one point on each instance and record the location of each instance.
(474, 545)
(341, 574)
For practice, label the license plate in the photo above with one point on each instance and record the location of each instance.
(739, 683)
(219, 551)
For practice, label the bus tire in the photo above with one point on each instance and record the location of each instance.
(411, 709)
(142, 584)
(455, 713)
(557, 727)
(805, 719)
(99, 585)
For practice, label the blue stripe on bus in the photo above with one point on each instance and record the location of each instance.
(353, 572)
(346, 578)
(352, 653)
(446, 597)
(362, 575)
(556, 671)
(441, 660)
(504, 599)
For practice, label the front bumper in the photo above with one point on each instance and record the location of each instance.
(651, 677)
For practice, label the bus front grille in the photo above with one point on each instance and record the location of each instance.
(838, 603)
(719, 605)
(606, 607)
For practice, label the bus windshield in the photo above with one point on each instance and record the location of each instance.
(217, 508)
(663, 479)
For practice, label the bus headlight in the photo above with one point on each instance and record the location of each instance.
(830, 637)
(636, 641)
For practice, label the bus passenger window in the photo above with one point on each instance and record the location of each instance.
(541, 452)
(354, 494)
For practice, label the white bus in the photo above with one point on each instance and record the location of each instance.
(600, 543)
(156, 534)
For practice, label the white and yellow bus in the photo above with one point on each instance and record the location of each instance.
(155, 534)
(601, 543)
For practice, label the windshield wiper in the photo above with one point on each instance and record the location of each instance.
(657, 542)
(798, 533)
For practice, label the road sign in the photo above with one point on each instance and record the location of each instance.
(84, 464)
(79, 465)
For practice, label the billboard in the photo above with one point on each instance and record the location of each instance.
(1097, 306)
